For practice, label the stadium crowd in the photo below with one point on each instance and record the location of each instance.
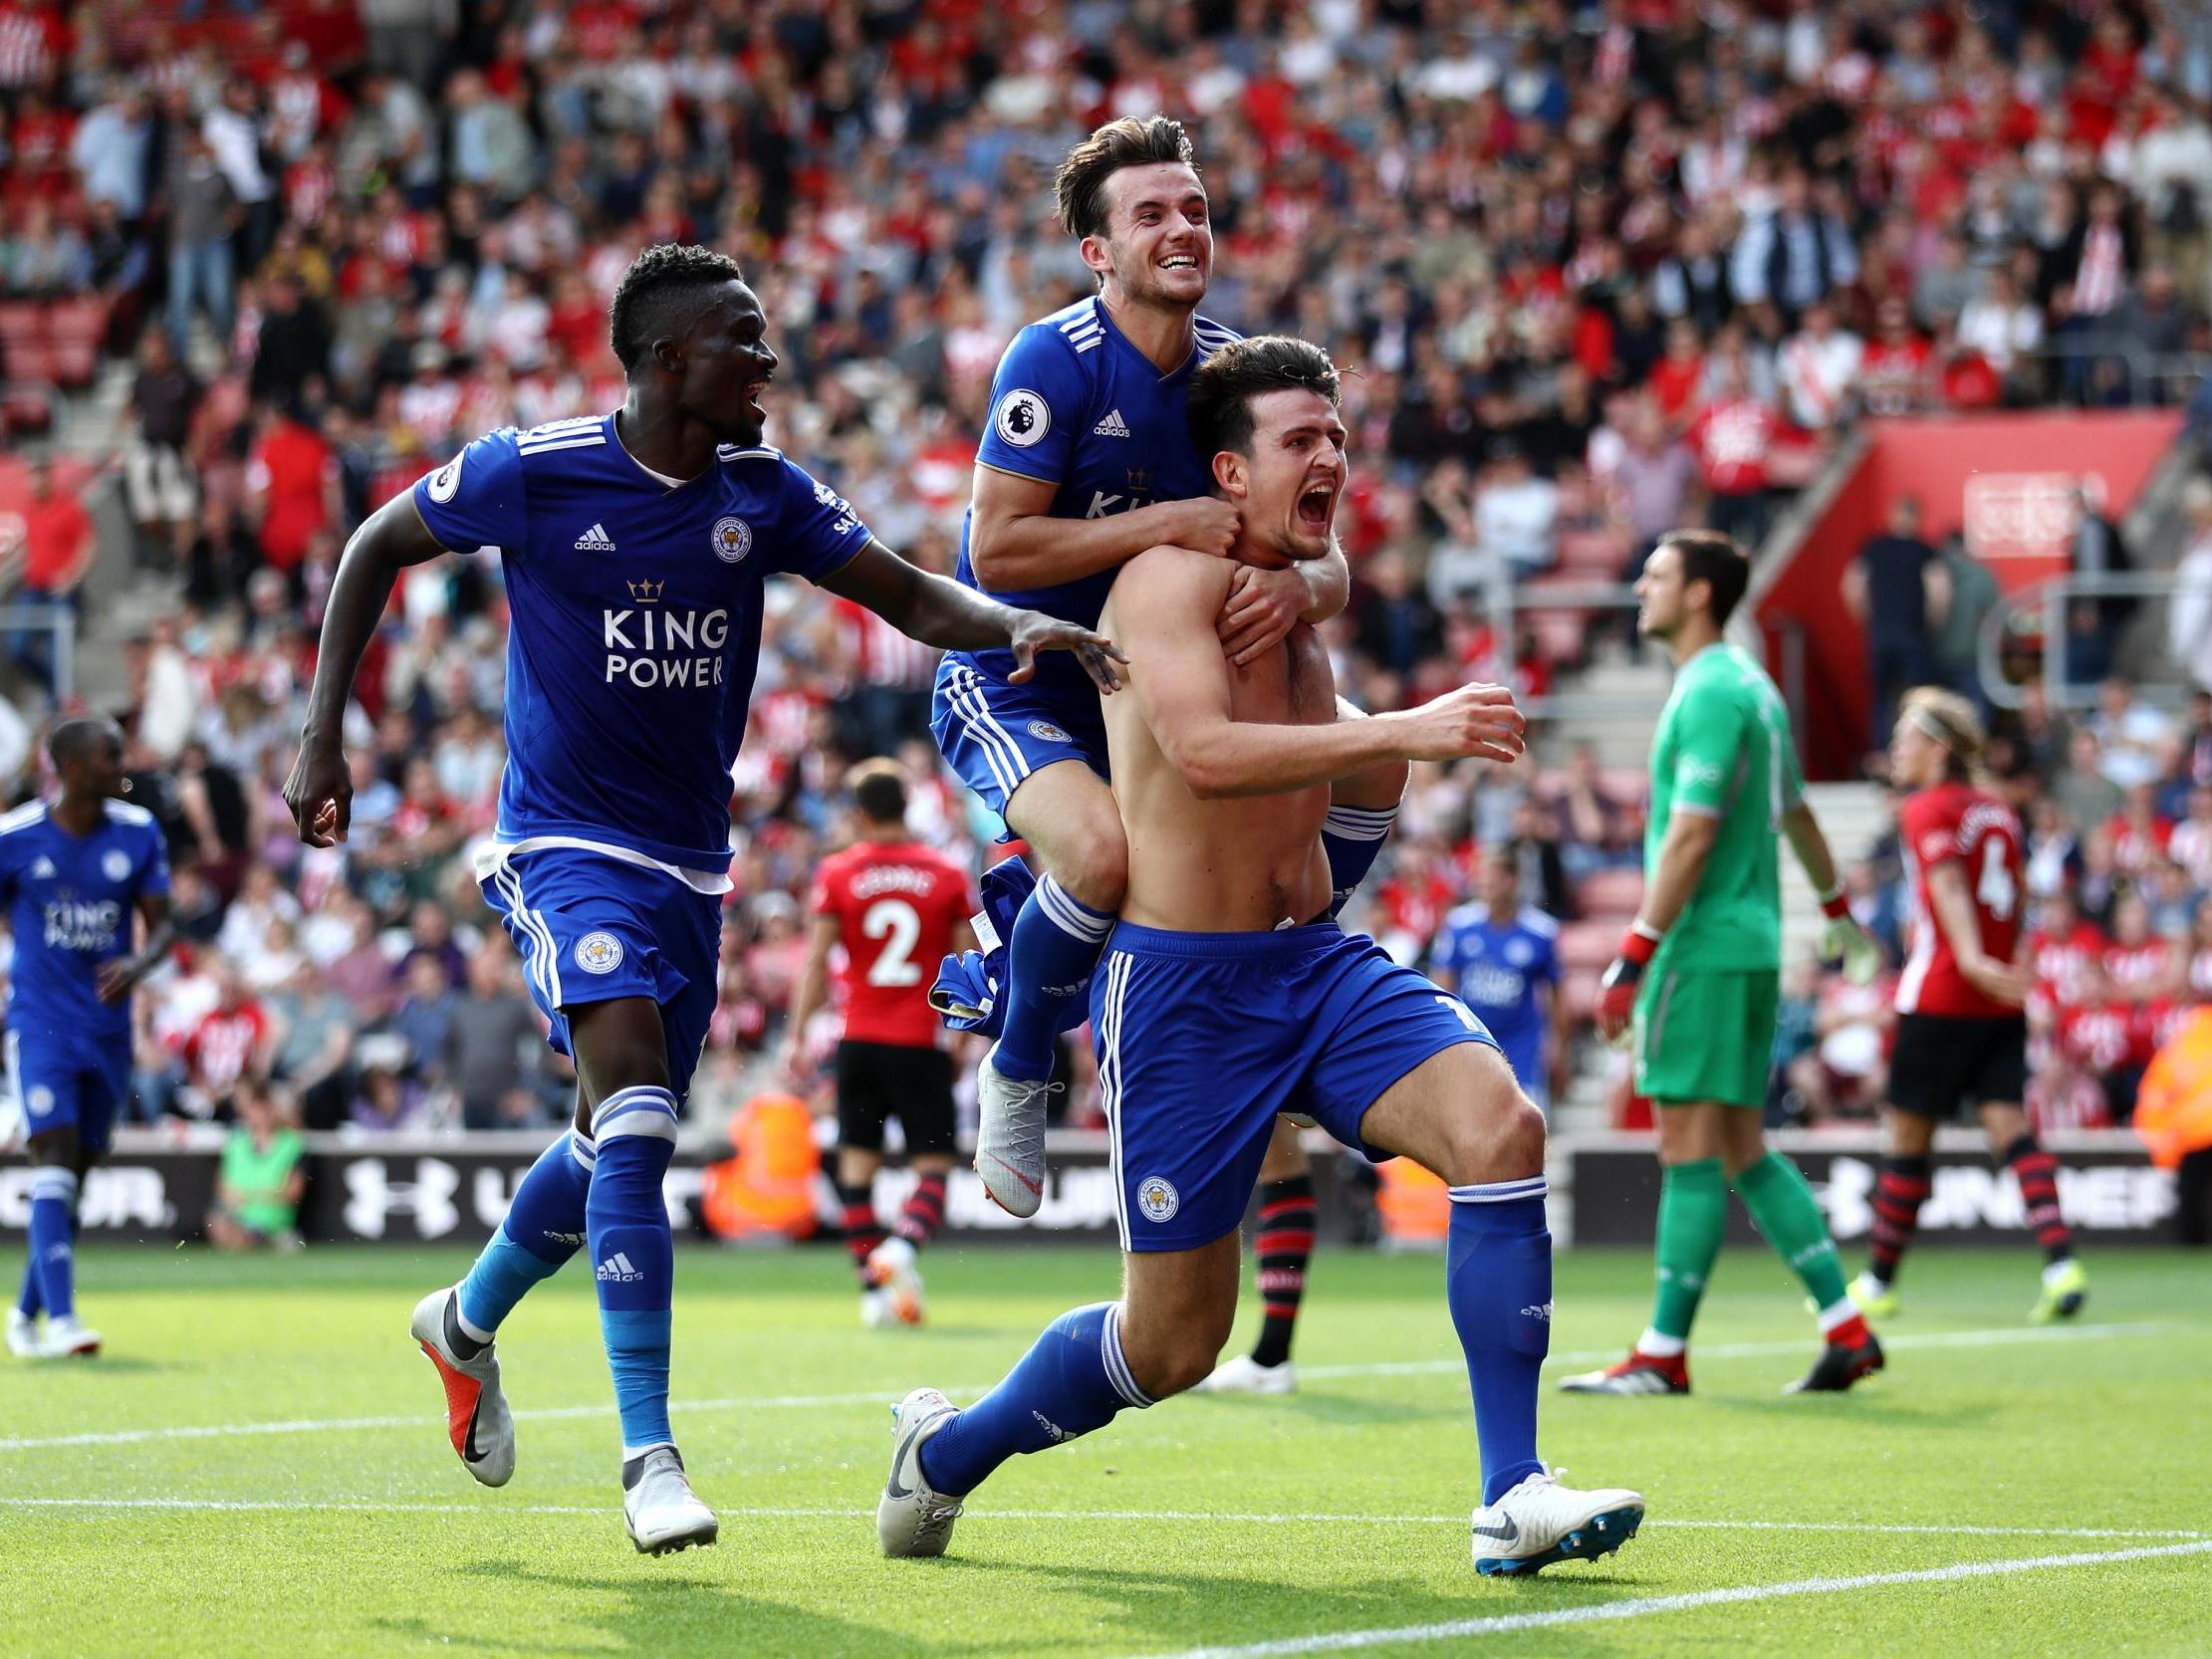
(1595, 271)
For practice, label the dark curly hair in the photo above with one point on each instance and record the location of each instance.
(1219, 402)
(656, 284)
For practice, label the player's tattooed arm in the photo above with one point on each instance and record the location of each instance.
(319, 791)
(1264, 606)
(942, 612)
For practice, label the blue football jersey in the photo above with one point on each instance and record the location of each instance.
(1077, 406)
(70, 904)
(1497, 970)
(634, 624)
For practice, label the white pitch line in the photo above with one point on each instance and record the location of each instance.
(1201, 1517)
(1998, 1338)
(1641, 1606)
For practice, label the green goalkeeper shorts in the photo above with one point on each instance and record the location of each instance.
(1704, 1033)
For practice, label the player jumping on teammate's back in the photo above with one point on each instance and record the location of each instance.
(1961, 1035)
(76, 874)
(1697, 977)
(1221, 772)
(892, 905)
(1086, 461)
(637, 548)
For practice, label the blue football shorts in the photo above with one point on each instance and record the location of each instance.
(70, 1082)
(593, 927)
(994, 734)
(1203, 1038)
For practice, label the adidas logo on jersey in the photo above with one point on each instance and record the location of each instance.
(617, 1269)
(43, 871)
(595, 540)
(1114, 426)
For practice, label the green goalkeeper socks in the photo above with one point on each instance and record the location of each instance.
(1790, 1216)
(1693, 1208)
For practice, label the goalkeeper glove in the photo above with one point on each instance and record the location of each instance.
(1844, 940)
(1616, 993)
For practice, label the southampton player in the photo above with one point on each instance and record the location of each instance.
(1086, 463)
(1501, 958)
(1228, 995)
(635, 547)
(77, 873)
(1699, 970)
(892, 905)
(1961, 1031)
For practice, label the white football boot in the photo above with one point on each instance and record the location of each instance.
(476, 1417)
(911, 1517)
(67, 1339)
(23, 1336)
(1010, 1136)
(1541, 1522)
(659, 1507)
(892, 1270)
(1246, 1375)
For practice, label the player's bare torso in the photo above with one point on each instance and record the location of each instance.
(1232, 866)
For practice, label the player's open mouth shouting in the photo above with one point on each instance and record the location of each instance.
(755, 392)
(1316, 505)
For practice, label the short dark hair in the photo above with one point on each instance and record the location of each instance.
(1712, 558)
(1080, 185)
(651, 289)
(76, 738)
(878, 789)
(1219, 401)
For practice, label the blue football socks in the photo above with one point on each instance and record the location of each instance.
(1050, 959)
(1352, 838)
(1073, 1381)
(626, 1220)
(543, 1229)
(1498, 1280)
(53, 1248)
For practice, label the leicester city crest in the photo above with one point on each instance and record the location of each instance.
(733, 539)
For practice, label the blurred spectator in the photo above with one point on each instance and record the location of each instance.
(232, 1041)
(2137, 741)
(314, 1044)
(162, 491)
(494, 1032)
(1892, 588)
(203, 212)
(260, 1184)
(1597, 830)
(384, 1100)
(1516, 513)
(1398, 626)
(424, 1018)
(1820, 369)
(57, 551)
(2189, 622)
(1969, 595)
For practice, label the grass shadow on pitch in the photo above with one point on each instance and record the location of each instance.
(652, 1617)
(1173, 1610)
(1863, 1409)
(1359, 1409)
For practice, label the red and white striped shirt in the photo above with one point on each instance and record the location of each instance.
(30, 38)
(883, 655)
(2103, 275)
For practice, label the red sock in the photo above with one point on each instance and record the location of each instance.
(924, 1212)
(1852, 1334)
(2038, 1174)
(862, 1232)
(1898, 1195)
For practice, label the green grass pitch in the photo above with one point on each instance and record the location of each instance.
(257, 1466)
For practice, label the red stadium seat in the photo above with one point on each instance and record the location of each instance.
(1609, 892)
(1588, 945)
(1580, 986)
(19, 320)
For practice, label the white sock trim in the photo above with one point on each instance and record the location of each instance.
(1651, 1343)
(1070, 915)
(631, 1452)
(1116, 1364)
(1359, 823)
(646, 1109)
(54, 1181)
(1501, 1192)
(1838, 1313)
(474, 1332)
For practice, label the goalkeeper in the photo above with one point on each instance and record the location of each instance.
(1697, 977)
